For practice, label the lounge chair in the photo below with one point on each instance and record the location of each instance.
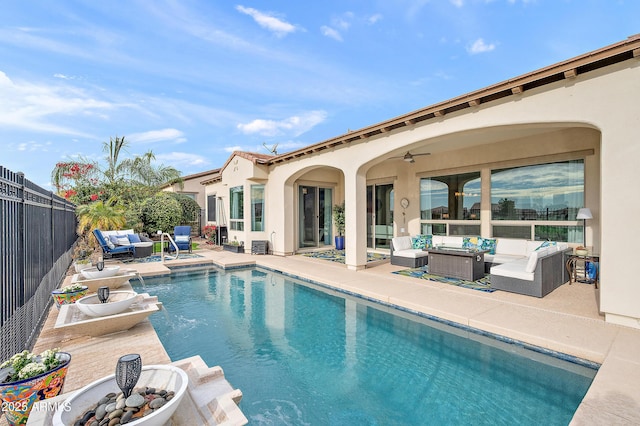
(110, 250)
(182, 237)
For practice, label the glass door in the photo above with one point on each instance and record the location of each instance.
(314, 216)
(379, 216)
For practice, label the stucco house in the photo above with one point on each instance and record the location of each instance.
(513, 160)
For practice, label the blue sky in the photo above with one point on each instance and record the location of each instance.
(194, 80)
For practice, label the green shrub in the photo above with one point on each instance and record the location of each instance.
(190, 208)
(161, 212)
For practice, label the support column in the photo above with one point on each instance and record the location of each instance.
(355, 241)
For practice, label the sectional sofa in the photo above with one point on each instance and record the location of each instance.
(534, 268)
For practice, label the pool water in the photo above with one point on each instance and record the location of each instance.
(305, 355)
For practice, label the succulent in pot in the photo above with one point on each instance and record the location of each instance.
(27, 378)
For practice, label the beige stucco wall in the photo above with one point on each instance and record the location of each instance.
(594, 116)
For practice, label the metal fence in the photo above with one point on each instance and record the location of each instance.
(37, 232)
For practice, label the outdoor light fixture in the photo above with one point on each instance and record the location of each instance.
(128, 371)
(408, 158)
(584, 214)
(100, 263)
(103, 294)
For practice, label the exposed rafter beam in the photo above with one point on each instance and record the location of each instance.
(517, 90)
(474, 102)
(571, 73)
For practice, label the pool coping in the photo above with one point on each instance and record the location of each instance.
(612, 397)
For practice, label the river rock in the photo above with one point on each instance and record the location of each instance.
(157, 403)
(135, 400)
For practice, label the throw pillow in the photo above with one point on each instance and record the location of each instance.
(546, 244)
(487, 244)
(110, 243)
(122, 241)
(470, 243)
(134, 238)
(429, 239)
(182, 238)
(419, 242)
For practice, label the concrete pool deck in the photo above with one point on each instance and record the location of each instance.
(567, 321)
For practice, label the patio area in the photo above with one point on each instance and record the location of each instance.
(566, 321)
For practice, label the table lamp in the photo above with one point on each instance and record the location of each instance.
(584, 214)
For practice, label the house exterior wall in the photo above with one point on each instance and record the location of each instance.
(593, 116)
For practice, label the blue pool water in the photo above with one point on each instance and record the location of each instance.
(305, 355)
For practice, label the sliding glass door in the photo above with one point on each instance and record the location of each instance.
(314, 216)
(379, 216)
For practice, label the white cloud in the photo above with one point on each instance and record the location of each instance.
(153, 136)
(457, 3)
(295, 125)
(331, 33)
(268, 21)
(39, 107)
(374, 18)
(479, 46)
(181, 159)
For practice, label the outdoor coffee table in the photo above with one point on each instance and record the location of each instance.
(465, 264)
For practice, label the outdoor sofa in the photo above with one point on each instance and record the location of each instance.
(534, 268)
(123, 242)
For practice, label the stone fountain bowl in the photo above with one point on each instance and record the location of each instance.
(118, 301)
(93, 273)
(166, 377)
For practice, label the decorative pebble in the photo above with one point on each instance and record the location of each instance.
(135, 400)
(112, 409)
(115, 413)
(126, 417)
(101, 411)
(157, 403)
(120, 404)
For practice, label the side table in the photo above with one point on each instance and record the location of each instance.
(573, 265)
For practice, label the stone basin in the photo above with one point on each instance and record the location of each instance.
(166, 377)
(74, 322)
(116, 281)
(93, 273)
(118, 301)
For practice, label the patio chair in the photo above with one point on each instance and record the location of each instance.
(110, 250)
(182, 237)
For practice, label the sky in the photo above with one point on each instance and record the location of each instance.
(194, 80)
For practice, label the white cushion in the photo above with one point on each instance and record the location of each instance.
(125, 232)
(451, 241)
(514, 269)
(436, 240)
(107, 234)
(532, 262)
(411, 253)
(502, 258)
(142, 244)
(511, 246)
(402, 243)
(182, 239)
(533, 245)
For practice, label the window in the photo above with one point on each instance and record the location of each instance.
(211, 208)
(550, 192)
(236, 195)
(538, 196)
(451, 197)
(257, 207)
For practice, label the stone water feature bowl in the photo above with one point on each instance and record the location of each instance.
(93, 273)
(118, 301)
(166, 377)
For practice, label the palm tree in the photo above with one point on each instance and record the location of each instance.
(99, 215)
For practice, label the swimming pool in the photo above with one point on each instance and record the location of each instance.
(304, 354)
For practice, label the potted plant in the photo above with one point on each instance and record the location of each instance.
(234, 246)
(338, 220)
(26, 378)
(209, 233)
(69, 294)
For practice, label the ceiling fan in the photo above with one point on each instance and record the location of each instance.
(408, 157)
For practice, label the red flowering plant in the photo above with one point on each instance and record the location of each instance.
(209, 232)
(76, 181)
